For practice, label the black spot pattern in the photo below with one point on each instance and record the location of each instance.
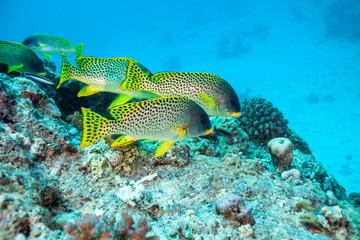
(189, 85)
(158, 119)
(104, 73)
(135, 78)
(12, 53)
(94, 127)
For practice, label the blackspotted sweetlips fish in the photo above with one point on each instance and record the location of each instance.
(105, 75)
(212, 93)
(47, 45)
(168, 119)
(20, 58)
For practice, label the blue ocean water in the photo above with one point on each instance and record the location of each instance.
(303, 56)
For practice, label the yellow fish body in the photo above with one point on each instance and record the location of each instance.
(20, 58)
(47, 45)
(105, 75)
(211, 92)
(168, 119)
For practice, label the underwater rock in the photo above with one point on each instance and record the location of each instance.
(261, 120)
(47, 182)
(233, 208)
(281, 153)
(355, 197)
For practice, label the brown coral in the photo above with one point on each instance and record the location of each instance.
(233, 208)
(90, 227)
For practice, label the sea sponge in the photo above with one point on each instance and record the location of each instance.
(261, 120)
(233, 208)
(281, 153)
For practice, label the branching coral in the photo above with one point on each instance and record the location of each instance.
(90, 227)
(261, 120)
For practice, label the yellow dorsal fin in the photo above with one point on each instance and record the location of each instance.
(164, 146)
(121, 99)
(118, 112)
(207, 100)
(123, 140)
(161, 76)
(84, 62)
(87, 91)
(135, 78)
(182, 132)
(15, 68)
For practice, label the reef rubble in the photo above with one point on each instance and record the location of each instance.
(220, 186)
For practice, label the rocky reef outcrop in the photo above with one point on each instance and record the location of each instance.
(52, 189)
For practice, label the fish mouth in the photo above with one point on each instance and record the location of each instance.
(236, 114)
(208, 131)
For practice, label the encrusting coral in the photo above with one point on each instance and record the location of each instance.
(261, 120)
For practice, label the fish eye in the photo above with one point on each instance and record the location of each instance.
(27, 41)
(234, 100)
(203, 119)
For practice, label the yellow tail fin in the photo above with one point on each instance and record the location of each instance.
(78, 49)
(94, 127)
(65, 71)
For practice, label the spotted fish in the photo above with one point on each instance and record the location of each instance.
(105, 75)
(20, 58)
(211, 92)
(168, 119)
(47, 45)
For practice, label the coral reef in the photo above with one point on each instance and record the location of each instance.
(261, 120)
(281, 151)
(355, 197)
(52, 189)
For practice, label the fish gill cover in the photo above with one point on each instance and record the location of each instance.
(252, 177)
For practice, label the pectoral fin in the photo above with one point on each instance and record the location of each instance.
(164, 146)
(42, 45)
(15, 68)
(87, 91)
(182, 132)
(148, 140)
(123, 140)
(121, 99)
(207, 100)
